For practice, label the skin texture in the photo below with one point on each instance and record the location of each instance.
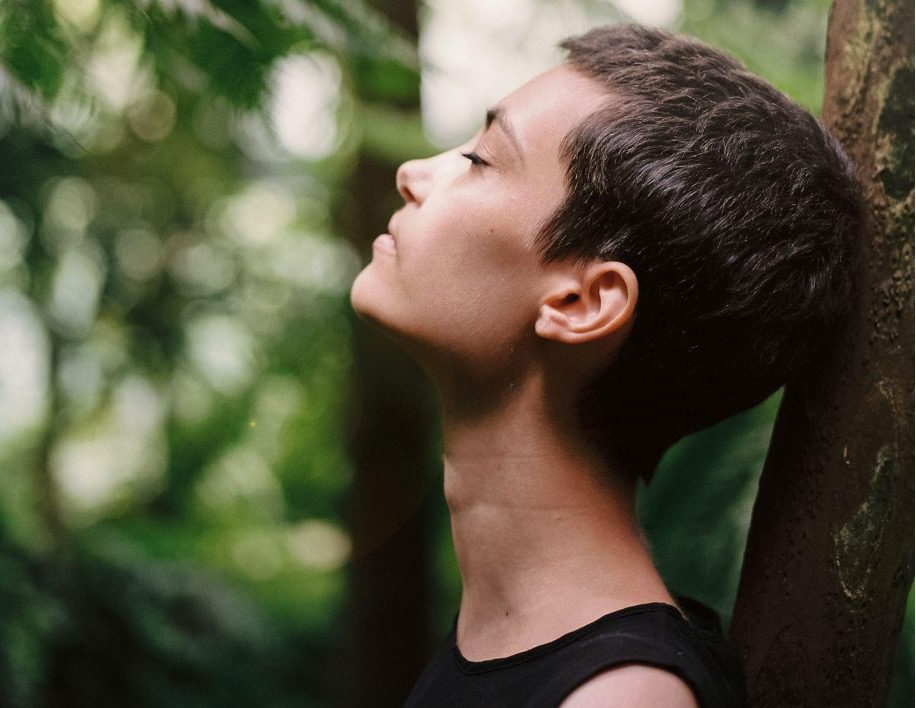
(632, 686)
(543, 546)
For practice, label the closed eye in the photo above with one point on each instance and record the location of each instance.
(474, 158)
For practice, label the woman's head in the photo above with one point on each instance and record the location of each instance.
(460, 279)
(663, 231)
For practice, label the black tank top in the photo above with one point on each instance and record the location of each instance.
(542, 677)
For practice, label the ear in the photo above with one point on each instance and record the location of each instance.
(589, 303)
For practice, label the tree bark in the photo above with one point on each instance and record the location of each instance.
(829, 559)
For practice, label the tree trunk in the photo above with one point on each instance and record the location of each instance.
(391, 440)
(829, 559)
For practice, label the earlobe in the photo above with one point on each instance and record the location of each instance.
(598, 301)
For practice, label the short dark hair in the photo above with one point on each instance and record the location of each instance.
(739, 214)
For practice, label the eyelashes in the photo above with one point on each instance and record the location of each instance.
(474, 158)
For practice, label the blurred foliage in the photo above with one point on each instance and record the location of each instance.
(708, 482)
(175, 350)
(174, 300)
(781, 40)
(109, 627)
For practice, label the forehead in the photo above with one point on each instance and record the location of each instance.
(547, 107)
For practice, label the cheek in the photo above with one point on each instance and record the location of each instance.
(478, 255)
(462, 280)
(473, 300)
(476, 243)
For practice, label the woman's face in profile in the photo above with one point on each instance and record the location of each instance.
(459, 275)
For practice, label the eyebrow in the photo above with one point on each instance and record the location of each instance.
(502, 120)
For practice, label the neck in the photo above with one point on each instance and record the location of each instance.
(545, 534)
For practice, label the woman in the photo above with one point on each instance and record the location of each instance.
(621, 256)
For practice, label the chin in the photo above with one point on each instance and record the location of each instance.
(363, 295)
(372, 302)
(356, 288)
(369, 299)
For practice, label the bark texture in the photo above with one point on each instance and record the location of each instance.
(829, 559)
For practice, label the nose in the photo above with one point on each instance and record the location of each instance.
(413, 180)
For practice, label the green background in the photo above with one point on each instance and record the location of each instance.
(173, 304)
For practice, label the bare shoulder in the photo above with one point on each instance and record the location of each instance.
(632, 686)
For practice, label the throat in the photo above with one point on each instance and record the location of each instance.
(545, 534)
(554, 555)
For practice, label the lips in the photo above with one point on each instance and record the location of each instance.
(385, 243)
